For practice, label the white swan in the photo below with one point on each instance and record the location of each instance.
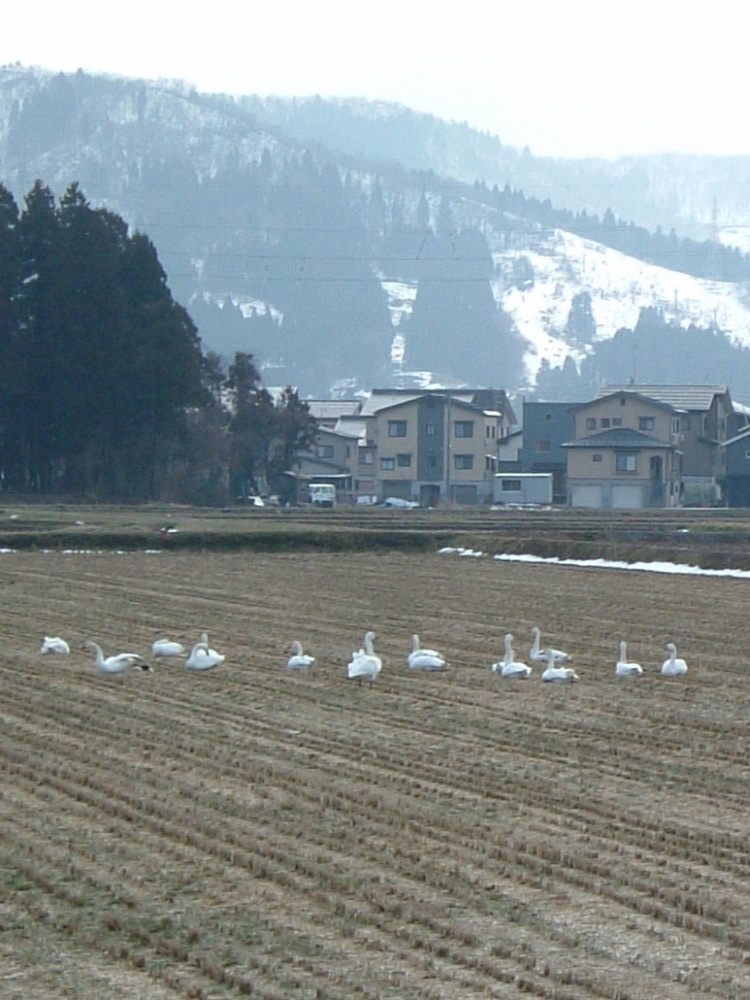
(300, 660)
(205, 642)
(424, 659)
(540, 655)
(54, 644)
(203, 658)
(623, 668)
(365, 663)
(163, 647)
(553, 672)
(508, 667)
(118, 662)
(673, 666)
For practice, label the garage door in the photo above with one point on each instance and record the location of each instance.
(586, 496)
(627, 497)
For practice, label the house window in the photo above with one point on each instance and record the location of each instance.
(747, 454)
(324, 451)
(617, 421)
(396, 428)
(464, 461)
(626, 461)
(429, 430)
(605, 421)
(590, 423)
(464, 428)
(387, 464)
(403, 461)
(645, 423)
(542, 446)
(510, 485)
(366, 458)
(596, 457)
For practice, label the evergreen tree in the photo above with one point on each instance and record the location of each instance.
(251, 426)
(11, 356)
(38, 234)
(295, 431)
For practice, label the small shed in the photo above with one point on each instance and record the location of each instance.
(522, 488)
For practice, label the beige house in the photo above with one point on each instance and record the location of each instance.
(427, 446)
(625, 453)
(706, 424)
(434, 447)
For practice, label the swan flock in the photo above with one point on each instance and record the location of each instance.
(365, 664)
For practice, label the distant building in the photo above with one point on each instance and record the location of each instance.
(625, 453)
(428, 446)
(707, 419)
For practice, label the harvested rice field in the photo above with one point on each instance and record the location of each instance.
(251, 832)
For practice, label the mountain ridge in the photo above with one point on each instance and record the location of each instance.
(335, 267)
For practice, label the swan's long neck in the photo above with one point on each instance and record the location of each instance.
(368, 643)
(535, 647)
(99, 654)
(414, 643)
(297, 647)
(509, 648)
(623, 652)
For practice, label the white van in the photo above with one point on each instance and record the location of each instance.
(322, 494)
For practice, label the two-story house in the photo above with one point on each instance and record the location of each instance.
(706, 424)
(625, 453)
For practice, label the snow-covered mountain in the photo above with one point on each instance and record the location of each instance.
(335, 264)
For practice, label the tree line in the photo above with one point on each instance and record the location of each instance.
(702, 259)
(104, 388)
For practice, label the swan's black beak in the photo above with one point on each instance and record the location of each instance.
(145, 666)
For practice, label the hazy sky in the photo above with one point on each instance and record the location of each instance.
(571, 78)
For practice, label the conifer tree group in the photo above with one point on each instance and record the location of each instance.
(103, 383)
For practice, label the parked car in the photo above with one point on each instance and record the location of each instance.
(399, 503)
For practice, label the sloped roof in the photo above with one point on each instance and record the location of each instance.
(683, 397)
(383, 400)
(618, 437)
(627, 390)
(332, 409)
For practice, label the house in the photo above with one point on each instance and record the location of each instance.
(427, 446)
(330, 461)
(737, 469)
(625, 453)
(707, 422)
(432, 446)
(546, 427)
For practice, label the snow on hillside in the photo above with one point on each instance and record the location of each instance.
(565, 265)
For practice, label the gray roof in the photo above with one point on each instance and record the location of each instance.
(618, 437)
(332, 409)
(684, 397)
(384, 399)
